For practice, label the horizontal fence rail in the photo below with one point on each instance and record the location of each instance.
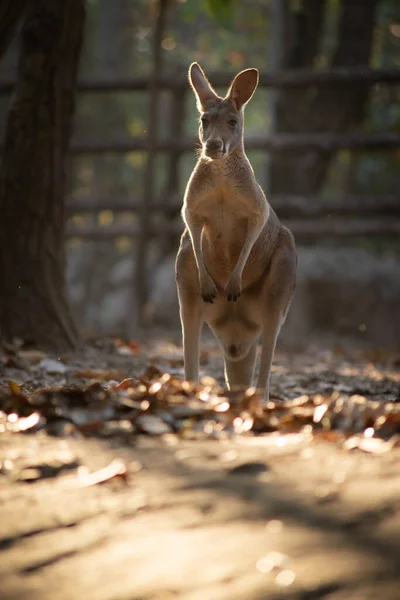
(285, 79)
(304, 230)
(282, 142)
(285, 206)
(310, 219)
(271, 143)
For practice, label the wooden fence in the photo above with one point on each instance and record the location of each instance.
(306, 217)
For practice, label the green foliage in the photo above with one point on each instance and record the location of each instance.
(221, 11)
(222, 35)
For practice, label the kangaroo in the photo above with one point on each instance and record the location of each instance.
(236, 265)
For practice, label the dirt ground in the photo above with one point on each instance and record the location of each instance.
(204, 511)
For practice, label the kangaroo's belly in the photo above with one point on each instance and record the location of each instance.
(235, 325)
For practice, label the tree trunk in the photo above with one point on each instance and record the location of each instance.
(278, 11)
(10, 13)
(33, 303)
(325, 108)
(141, 291)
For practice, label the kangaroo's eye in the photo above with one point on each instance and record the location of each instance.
(204, 121)
(232, 122)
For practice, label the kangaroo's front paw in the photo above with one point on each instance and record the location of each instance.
(208, 290)
(233, 289)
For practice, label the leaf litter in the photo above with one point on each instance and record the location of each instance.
(317, 400)
(352, 404)
(158, 403)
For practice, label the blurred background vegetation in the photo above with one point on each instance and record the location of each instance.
(118, 43)
(228, 36)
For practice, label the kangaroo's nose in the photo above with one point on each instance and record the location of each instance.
(214, 145)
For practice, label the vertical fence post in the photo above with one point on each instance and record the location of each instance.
(278, 10)
(177, 130)
(176, 133)
(140, 279)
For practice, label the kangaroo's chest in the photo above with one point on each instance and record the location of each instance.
(224, 220)
(224, 223)
(224, 232)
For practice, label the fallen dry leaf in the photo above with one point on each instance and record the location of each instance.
(126, 384)
(116, 468)
(127, 347)
(32, 355)
(368, 444)
(100, 374)
(24, 423)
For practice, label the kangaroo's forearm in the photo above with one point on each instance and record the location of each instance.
(208, 290)
(255, 226)
(195, 228)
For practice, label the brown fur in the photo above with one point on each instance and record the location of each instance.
(236, 265)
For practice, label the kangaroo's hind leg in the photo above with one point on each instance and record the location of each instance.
(278, 294)
(191, 329)
(190, 307)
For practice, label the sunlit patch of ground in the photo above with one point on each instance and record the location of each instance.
(119, 481)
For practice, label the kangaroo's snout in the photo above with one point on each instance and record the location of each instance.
(214, 148)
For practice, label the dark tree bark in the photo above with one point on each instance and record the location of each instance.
(10, 13)
(141, 291)
(33, 302)
(324, 108)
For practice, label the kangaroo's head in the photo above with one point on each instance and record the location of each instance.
(221, 119)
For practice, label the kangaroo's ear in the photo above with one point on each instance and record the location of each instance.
(205, 95)
(243, 87)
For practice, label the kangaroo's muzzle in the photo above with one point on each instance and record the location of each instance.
(214, 148)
